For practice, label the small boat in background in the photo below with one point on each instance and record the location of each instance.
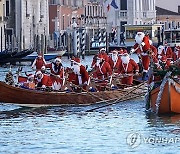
(14, 56)
(165, 98)
(47, 56)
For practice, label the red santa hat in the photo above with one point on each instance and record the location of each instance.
(102, 50)
(43, 67)
(77, 60)
(114, 51)
(57, 60)
(140, 33)
(120, 52)
(38, 72)
(40, 55)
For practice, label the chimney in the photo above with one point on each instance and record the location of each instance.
(179, 9)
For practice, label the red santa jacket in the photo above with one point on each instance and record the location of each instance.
(103, 70)
(154, 53)
(81, 78)
(176, 54)
(55, 71)
(144, 48)
(39, 62)
(168, 53)
(115, 65)
(45, 80)
(128, 68)
(105, 56)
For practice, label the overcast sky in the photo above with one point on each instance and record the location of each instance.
(168, 4)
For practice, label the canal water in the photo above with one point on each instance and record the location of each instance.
(121, 128)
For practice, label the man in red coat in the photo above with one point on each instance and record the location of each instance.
(114, 61)
(39, 62)
(127, 67)
(81, 74)
(164, 63)
(43, 80)
(167, 52)
(154, 52)
(102, 68)
(176, 54)
(142, 47)
(104, 54)
(57, 73)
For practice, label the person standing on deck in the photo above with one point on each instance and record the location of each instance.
(57, 73)
(39, 62)
(142, 47)
(127, 68)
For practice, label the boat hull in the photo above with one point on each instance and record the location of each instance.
(169, 100)
(26, 97)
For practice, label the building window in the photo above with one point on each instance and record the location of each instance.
(7, 8)
(123, 4)
(63, 22)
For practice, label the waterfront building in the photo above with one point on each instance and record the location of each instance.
(131, 12)
(170, 19)
(4, 14)
(32, 23)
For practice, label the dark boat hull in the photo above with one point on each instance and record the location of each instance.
(26, 97)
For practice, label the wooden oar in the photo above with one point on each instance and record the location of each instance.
(118, 99)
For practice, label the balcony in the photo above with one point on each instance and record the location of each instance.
(122, 15)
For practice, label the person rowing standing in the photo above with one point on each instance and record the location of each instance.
(38, 62)
(127, 67)
(142, 47)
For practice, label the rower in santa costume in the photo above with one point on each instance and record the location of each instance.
(167, 52)
(102, 68)
(39, 62)
(176, 54)
(104, 54)
(127, 67)
(57, 73)
(142, 47)
(81, 76)
(164, 63)
(114, 61)
(43, 80)
(154, 52)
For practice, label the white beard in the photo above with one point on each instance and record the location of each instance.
(139, 38)
(114, 58)
(125, 59)
(76, 69)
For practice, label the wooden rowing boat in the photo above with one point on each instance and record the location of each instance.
(165, 98)
(27, 97)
